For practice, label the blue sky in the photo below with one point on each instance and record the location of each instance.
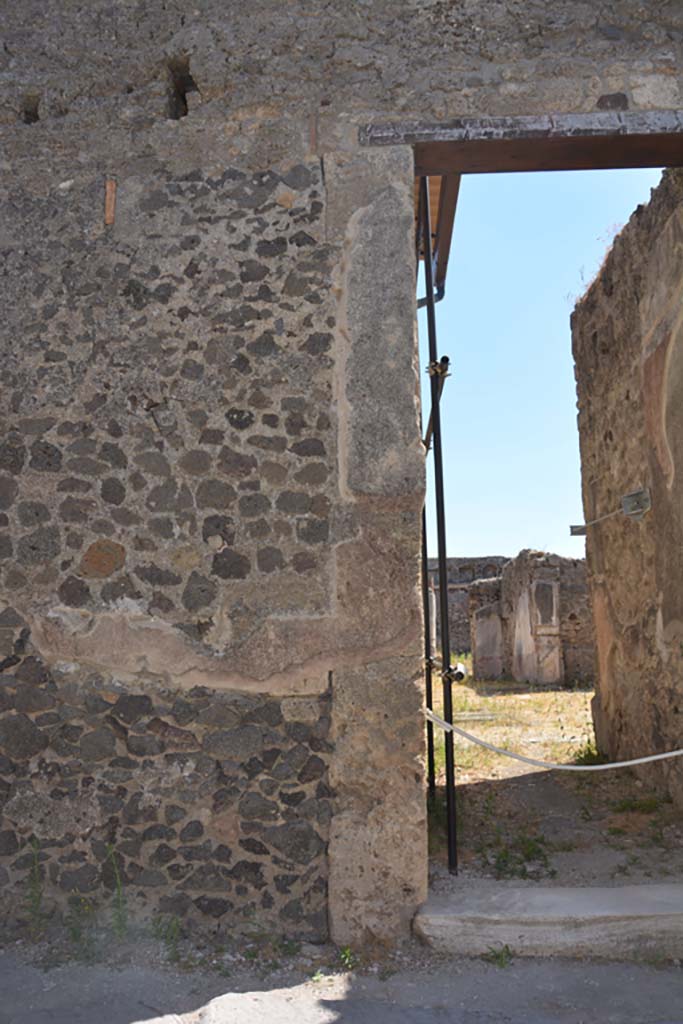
(525, 247)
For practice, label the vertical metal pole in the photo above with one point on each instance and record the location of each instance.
(441, 529)
(426, 602)
(431, 776)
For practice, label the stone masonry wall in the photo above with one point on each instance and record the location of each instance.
(214, 808)
(628, 345)
(462, 573)
(211, 474)
(577, 633)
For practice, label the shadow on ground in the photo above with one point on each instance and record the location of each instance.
(554, 828)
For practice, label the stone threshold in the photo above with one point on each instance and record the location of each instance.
(631, 922)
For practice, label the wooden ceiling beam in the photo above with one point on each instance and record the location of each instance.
(491, 156)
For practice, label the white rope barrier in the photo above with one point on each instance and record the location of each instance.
(447, 727)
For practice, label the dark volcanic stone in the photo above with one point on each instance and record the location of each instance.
(254, 505)
(255, 806)
(40, 546)
(20, 738)
(219, 526)
(113, 491)
(118, 589)
(131, 707)
(8, 843)
(240, 419)
(297, 841)
(230, 565)
(32, 513)
(215, 494)
(313, 531)
(114, 455)
(156, 576)
(270, 559)
(213, 906)
(76, 510)
(308, 448)
(207, 877)
(145, 746)
(136, 812)
(98, 744)
(150, 877)
(83, 879)
(12, 454)
(74, 592)
(250, 872)
(45, 457)
(252, 845)
(234, 744)
(313, 769)
(32, 670)
(174, 813)
(196, 462)
(8, 491)
(163, 855)
(158, 831)
(193, 830)
(30, 697)
(234, 464)
(199, 592)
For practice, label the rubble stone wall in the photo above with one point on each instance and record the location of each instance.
(628, 345)
(462, 573)
(201, 806)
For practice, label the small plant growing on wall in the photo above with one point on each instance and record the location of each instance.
(34, 892)
(120, 911)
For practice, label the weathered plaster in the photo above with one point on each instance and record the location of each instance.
(628, 340)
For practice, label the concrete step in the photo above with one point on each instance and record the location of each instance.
(638, 922)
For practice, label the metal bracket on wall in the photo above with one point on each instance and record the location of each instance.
(633, 505)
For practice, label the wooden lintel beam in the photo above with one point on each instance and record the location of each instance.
(570, 153)
(448, 201)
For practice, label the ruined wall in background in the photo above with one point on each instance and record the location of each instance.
(628, 349)
(577, 632)
(486, 629)
(462, 573)
(533, 623)
(211, 476)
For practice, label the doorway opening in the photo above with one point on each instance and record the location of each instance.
(441, 161)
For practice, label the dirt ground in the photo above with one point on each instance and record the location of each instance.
(548, 827)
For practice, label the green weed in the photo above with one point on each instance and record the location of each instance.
(501, 957)
(79, 918)
(168, 931)
(120, 912)
(347, 958)
(513, 860)
(289, 947)
(35, 890)
(641, 805)
(588, 754)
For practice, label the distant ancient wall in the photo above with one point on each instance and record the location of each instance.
(533, 623)
(628, 349)
(486, 629)
(462, 572)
